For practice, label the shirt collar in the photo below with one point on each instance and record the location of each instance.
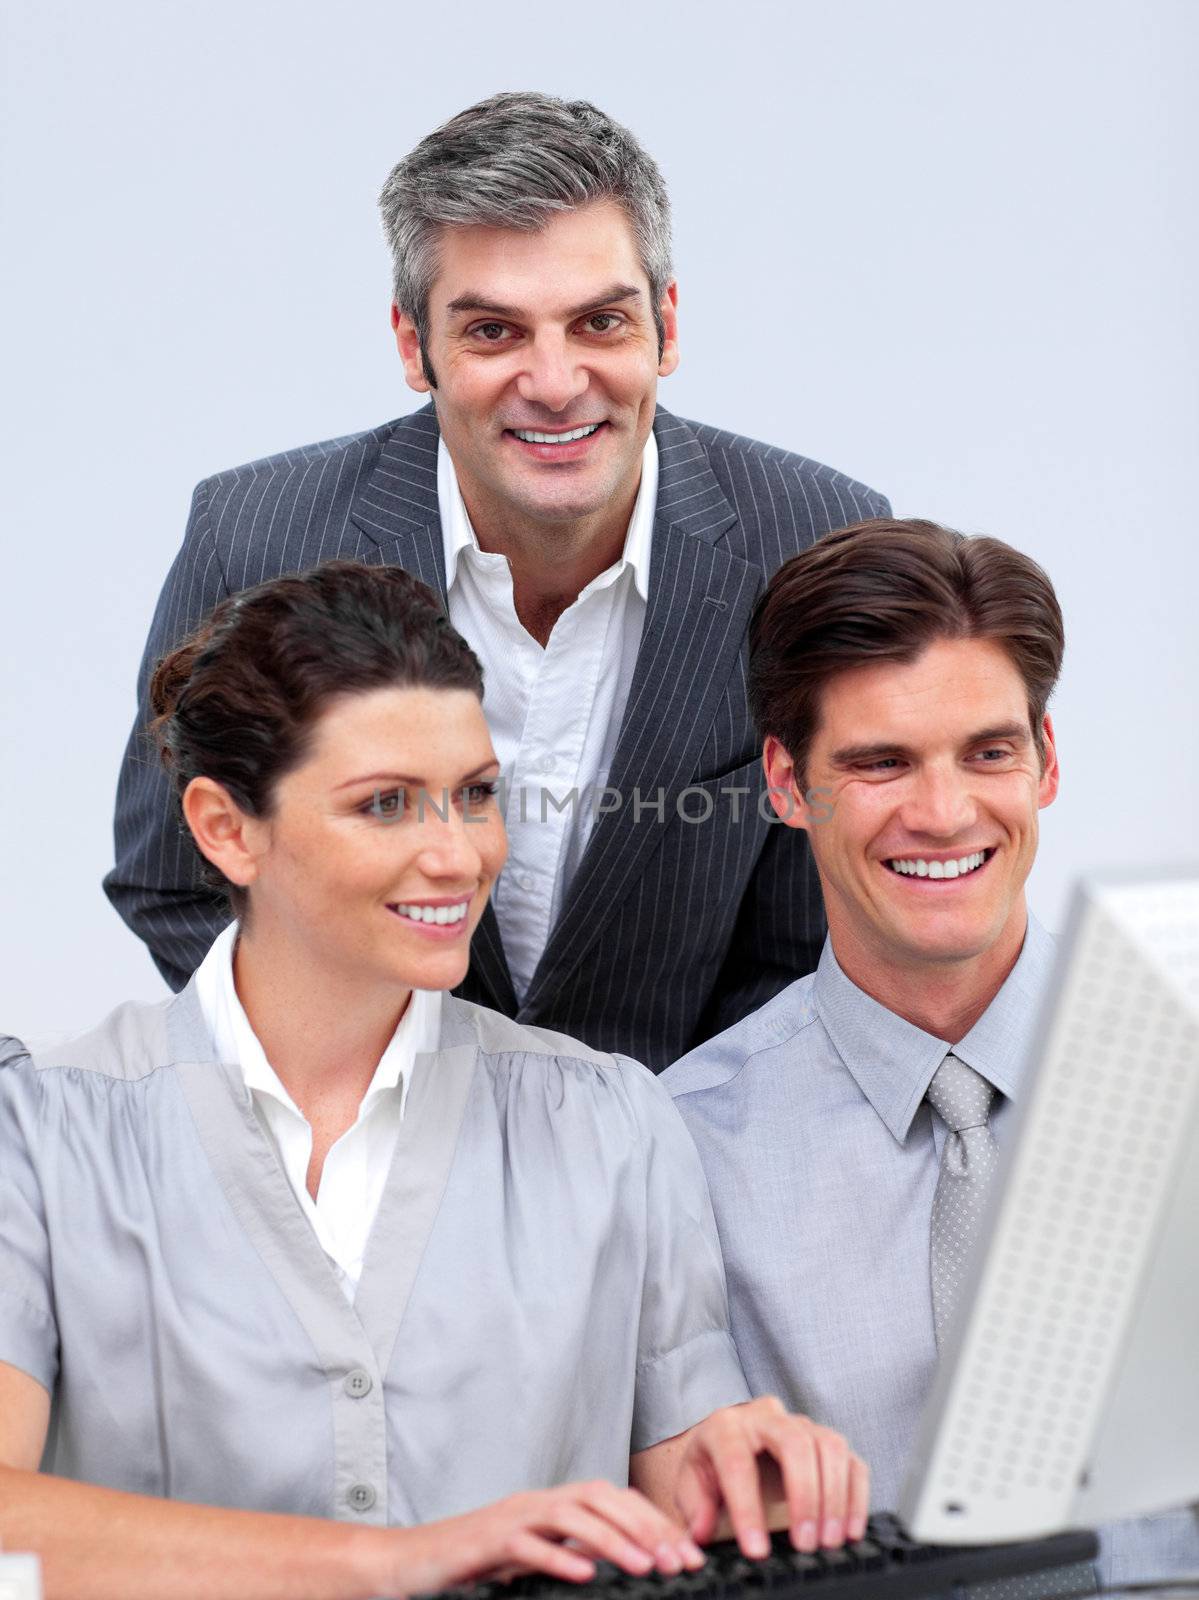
(458, 535)
(892, 1061)
(236, 1041)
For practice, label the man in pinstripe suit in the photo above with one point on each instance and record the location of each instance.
(601, 556)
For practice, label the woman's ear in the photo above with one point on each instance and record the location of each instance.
(224, 834)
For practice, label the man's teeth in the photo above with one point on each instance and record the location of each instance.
(530, 437)
(439, 914)
(917, 867)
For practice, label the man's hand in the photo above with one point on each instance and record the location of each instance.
(526, 1533)
(744, 1455)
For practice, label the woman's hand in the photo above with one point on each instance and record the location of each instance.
(526, 1533)
(744, 1455)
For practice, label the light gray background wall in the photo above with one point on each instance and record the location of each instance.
(950, 248)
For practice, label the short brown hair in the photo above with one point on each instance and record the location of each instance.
(885, 590)
(238, 701)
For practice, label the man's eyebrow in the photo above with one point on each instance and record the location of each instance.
(471, 302)
(1013, 732)
(852, 755)
(615, 293)
(408, 779)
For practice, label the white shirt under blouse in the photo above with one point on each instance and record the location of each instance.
(554, 712)
(357, 1164)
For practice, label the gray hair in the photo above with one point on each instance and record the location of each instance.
(513, 161)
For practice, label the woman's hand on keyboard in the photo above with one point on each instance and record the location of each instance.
(742, 1457)
(561, 1531)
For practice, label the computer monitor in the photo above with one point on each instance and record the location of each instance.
(1068, 1389)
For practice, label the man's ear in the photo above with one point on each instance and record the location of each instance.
(224, 834)
(668, 308)
(408, 344)
(783, 785)
(1051, 776)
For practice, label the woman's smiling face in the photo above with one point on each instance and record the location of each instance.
(383, 843)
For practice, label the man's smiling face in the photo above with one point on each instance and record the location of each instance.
(934, 783)
(543, 334)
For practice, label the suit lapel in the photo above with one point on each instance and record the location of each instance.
(395, 508)
(700, 600)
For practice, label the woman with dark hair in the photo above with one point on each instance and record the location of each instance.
(313, 1248)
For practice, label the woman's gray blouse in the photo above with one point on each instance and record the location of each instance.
(542, 1291)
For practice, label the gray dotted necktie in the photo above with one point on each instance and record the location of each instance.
(968, 1163)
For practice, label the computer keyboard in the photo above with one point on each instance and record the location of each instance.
(885, 1565)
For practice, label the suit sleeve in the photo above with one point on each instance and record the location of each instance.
(155, 884)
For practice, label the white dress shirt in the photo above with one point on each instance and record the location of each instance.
(357, 1164)
(554, 713)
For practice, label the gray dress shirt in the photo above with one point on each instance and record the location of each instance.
(822, 1157)
(541, 1292)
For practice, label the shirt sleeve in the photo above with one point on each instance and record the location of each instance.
(28, 1330)
(687, 1366)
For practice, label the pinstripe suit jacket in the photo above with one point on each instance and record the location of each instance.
(671, 930)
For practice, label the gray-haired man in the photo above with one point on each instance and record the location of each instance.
(601, 556)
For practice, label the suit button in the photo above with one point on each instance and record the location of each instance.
(361, 1497)
(358, 1383)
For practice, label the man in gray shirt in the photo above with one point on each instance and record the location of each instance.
(899, 675)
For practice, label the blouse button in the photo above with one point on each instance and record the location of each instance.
(361, 1497)
(358, 1383)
